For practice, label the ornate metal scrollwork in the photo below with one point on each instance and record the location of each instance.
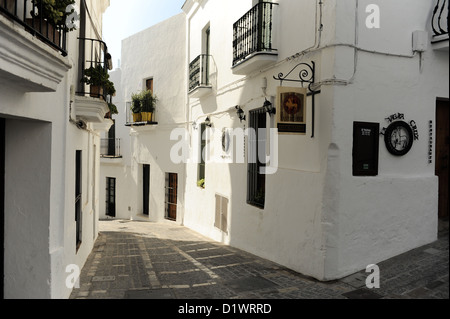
(305, 75)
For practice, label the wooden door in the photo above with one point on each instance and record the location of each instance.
(442, 155)
(171, 196)
(111, 197)
(146, 195)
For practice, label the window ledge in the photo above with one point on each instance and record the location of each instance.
(27, 62)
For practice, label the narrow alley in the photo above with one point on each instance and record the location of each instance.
(142, 260)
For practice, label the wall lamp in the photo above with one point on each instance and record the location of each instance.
(240, 113)
(268, 107)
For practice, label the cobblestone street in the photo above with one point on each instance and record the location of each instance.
(141, 260)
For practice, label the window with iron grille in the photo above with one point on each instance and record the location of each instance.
(256, 181)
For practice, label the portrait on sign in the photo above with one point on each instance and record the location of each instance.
(291, 110)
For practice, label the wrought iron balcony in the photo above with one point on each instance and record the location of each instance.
(110, 148)
(26, 14)
(253, 33)
(440, 18)
(94, 66)
(199, 76)
(94, 87)
(439, 21)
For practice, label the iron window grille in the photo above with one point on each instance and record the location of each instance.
(253, 32)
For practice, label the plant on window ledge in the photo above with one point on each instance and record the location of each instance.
(54, 11)
(136, 107)
(148, 103)
(98, 78)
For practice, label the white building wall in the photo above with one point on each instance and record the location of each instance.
(318, 218)
(146, 55)
(375, 218)
(40, 171)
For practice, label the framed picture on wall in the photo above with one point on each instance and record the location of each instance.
(291, 110)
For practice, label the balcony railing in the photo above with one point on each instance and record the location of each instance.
(439, 21)
(110, 148)
(199, 72)
(94, 55)
(26, 13)
(138, 119)
(253, 32)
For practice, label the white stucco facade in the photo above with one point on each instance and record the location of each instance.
(39, 113)
(157, 53)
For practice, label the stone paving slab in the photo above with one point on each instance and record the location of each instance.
(142, 260)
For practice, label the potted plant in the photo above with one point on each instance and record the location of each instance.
(54, 12)
(98, 79)
(112, 110)
(148, 102)
(201, 183)
(136, 107)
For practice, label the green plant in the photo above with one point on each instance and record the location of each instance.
(54, 11)
(148, 101)
(201, 183)
(98, 76)
(136, 103)
(113, 109)
(144, 101)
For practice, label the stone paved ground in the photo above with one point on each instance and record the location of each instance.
(140, 260)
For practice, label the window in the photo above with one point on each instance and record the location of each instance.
(149, 85)
(78, 198)
(256, 183)
(202, 164)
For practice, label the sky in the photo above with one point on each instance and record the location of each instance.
(126, 17)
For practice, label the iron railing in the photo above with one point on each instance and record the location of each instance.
(253, 32)
(138, 120)
(439, 21)
(26, 13)
(199, 72)
(110, 148)
(94, 54)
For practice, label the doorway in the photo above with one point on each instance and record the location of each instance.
(146, 190)
(442, 155)
(171, 196)
(111, 197)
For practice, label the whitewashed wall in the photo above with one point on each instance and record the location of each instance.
(148, 54)
(318, 219)
(40, 181)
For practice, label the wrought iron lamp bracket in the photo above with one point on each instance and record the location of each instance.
(306, 75)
